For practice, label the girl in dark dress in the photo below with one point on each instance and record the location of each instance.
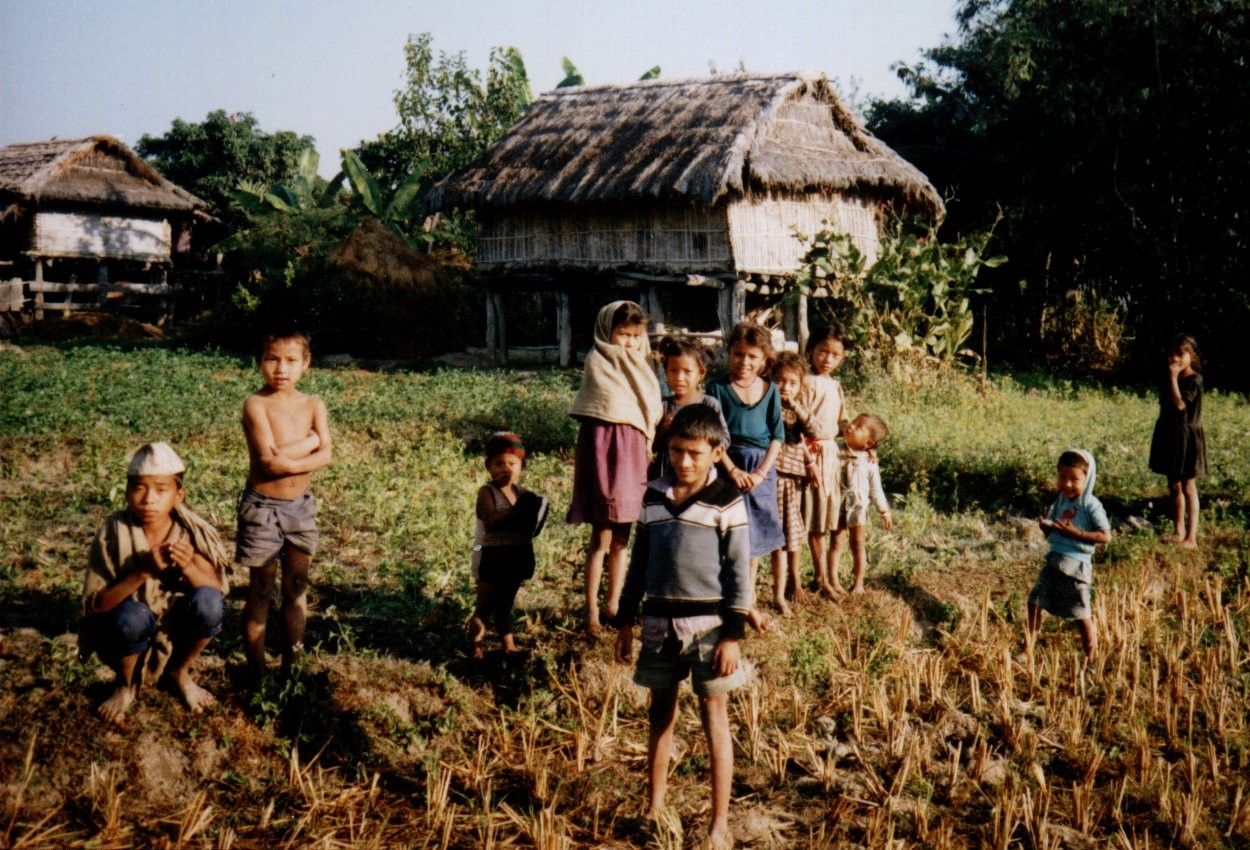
(1179, 447)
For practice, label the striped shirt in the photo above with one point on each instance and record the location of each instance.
(692, 559)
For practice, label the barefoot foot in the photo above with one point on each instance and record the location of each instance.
(195, 697)
(113, 710)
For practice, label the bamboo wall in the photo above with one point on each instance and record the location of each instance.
(762, 228)
(60, 234)
(669, 239)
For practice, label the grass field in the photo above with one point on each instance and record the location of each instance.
(908, 718)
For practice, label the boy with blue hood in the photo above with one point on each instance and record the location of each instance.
(1075, 524)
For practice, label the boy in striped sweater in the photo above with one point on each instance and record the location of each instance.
(690, 574)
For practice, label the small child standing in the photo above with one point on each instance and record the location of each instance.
(508, 519)
(1178, 448)
(690, 562)
(154, 591)
(823, 397)
(1075, 524)
(288, 438)
(619, 407)
(752, 410)
(796, 469)
(685, 366)
(861, 484)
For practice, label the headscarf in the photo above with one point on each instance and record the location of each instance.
(1087, 493)
(619, 385)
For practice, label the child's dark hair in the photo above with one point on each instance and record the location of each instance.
(628, 313)
(698, 422)
(132, 480)
(833, 330)
(1073, 460)
(283, 331)
(789, 361)
(504, 442)
(876, 427)
(684, 346)
(755, 336)
(1185, 342)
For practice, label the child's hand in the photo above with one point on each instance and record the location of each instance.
(725, 657)
(624, 649)
(1174, 367)
(1046, 525)
(181, 553)
(813, 480)
(746, 481)
(887, 521)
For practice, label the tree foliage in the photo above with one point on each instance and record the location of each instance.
(211, 157)
(1109, 133)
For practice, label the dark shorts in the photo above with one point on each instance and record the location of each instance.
(129, 628)
(671, 663)
(266, 525)
(1059, 593)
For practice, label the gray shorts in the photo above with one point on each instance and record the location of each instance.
(669, 665)
(266, 525)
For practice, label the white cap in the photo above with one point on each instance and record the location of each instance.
(155, 459)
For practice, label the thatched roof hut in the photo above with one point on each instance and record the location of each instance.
(707, 177)
(97, 172)
(92, 200)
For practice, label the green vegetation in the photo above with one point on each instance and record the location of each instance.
(910, 713)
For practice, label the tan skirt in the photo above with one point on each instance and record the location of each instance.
(822, 505)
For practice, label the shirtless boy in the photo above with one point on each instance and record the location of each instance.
(153, 595)
(288, 438)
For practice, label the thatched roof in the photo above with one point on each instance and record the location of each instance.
(98, 171)
(699, 139)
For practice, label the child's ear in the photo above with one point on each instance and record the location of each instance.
(718, 452)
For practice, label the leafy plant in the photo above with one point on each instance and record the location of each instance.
(914, 300)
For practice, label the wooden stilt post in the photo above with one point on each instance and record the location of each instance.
(724, 312)
(564, 328)
(38, 288)
(739, 301)
(492, 334)
(501, 327)
(102, 282)
(160, 276)
(655, 309)
(800, 315)
(789, 320)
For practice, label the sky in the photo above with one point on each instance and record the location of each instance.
(73, 68)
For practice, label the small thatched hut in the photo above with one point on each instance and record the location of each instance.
(70, 208)
(670, 183)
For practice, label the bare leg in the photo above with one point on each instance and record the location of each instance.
(859, 556)
(662, 715)
(256, 614)
(1177, 495)
(618, 564)
(178, 672)
(113, 710)
(295, 566)
(795, 559)
(607, 543)
(1189, 488)
(835, 561)
(1034, 621)
(477, 623)
(504, 599)
(777, 560)
(820, 563)
(1089, 638)
(715, 715)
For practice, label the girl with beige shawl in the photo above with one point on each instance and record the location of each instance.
(619, 407)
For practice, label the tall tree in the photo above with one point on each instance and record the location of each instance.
(1109, 134)
(211, 157)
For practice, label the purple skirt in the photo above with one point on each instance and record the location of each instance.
(609, 473)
